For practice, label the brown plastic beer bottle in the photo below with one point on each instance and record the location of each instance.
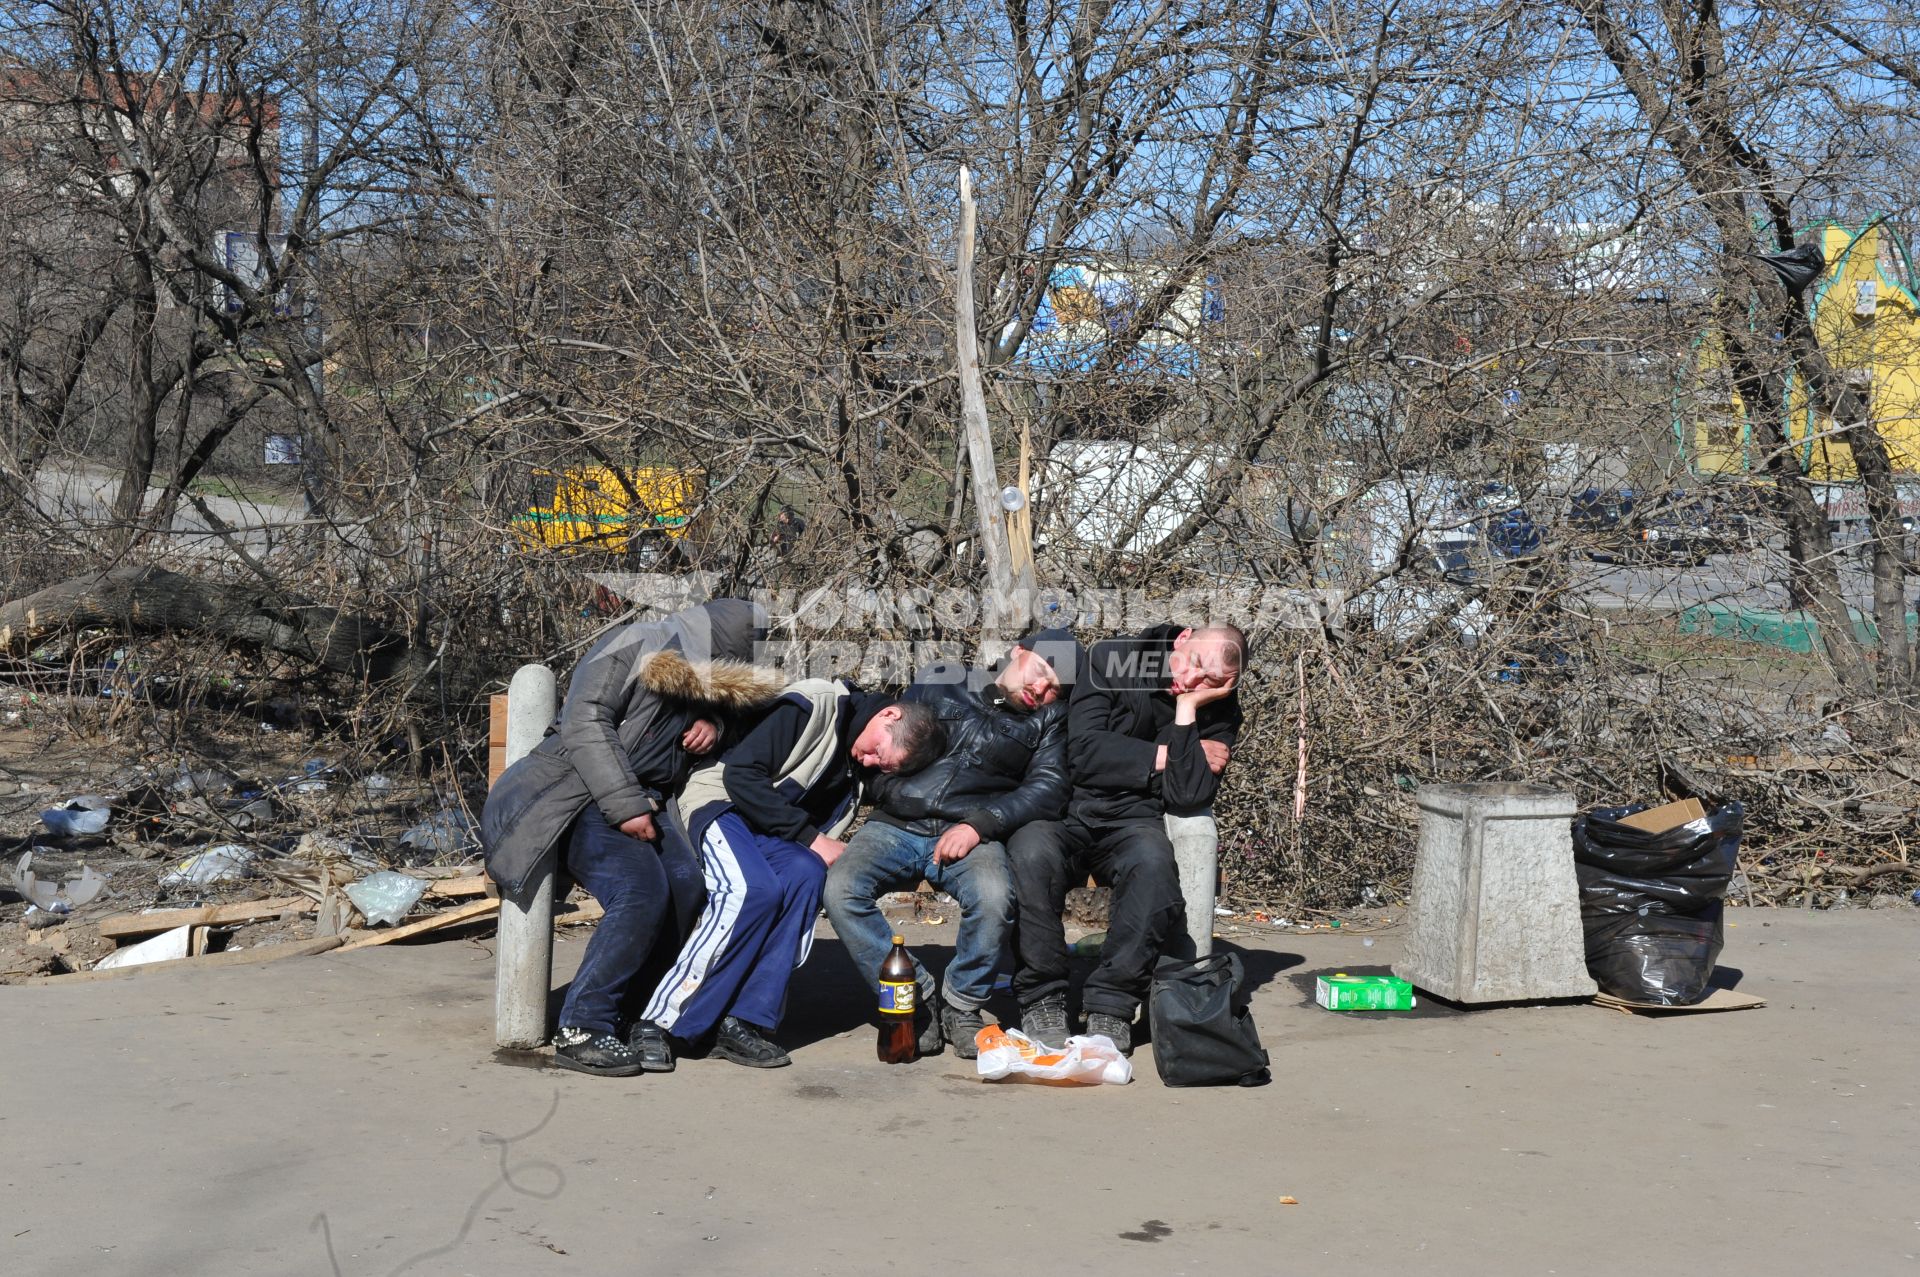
(899, 992)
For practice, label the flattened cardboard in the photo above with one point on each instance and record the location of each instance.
(1718, 1000)
(1657, 820)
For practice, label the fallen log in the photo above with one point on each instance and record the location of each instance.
(145, 597)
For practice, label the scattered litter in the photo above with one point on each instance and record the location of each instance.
(443, 833)
(226, 863)
(1343, 992)
(1221, 911)
(1367, 943)
(86, 814)
(165, 947)
(1086, 1061)
(1289, 1201)
(56, 899)
(386, 897)
(376, 783)
(252, 811)
(206, 781)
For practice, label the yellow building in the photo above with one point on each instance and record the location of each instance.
(1867, 320)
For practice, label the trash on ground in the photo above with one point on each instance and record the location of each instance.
(1343, 992)
(56, 898)
(86, 814)
(165, 947)
(1289, 1201)
(226, 863)
(1653, 886)
(386, 897)
(1716, 1000)
(376, 783)
(443, 833)
(1085, 1061)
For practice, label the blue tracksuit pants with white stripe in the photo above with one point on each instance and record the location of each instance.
(763, 894)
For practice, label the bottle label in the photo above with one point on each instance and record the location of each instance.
(898, 997)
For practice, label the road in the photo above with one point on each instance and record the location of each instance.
(78, 501)
(1742, 580)
(342, 1114)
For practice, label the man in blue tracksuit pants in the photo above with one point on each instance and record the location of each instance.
(766, 822)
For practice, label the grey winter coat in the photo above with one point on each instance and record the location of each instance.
(617, 741)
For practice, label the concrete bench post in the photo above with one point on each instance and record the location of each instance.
(523, 951)
(1196, 852)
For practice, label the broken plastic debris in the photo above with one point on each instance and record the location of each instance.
(86, 814)
(226, 863)
(56, 898)
(385, 897)
(376, 783)
(442, 833)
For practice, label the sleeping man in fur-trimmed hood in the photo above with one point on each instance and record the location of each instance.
(646, 704)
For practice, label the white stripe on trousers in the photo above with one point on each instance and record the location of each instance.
(726, 890)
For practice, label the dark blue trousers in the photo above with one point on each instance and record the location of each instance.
(651, 892)
(763, 895)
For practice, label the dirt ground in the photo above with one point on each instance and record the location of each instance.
(344, 1115)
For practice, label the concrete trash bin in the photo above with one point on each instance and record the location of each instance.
(1496, 908)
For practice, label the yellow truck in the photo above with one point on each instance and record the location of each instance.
(581, 508)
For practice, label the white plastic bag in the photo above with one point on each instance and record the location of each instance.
(1085, 1061)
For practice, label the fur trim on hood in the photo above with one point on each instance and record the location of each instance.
(728, 684)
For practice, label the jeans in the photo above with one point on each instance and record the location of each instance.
(882, 858)
(651, 892)
(1148, 916)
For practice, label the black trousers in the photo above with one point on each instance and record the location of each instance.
(1135, 858)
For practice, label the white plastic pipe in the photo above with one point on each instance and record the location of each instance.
(523, 953)
(1196, 852)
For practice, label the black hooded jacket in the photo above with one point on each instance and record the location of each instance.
(1003, 767)
(1120, 714)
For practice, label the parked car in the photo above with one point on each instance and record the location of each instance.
(1596, 523)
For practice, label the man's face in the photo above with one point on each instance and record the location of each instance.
(875, 746)
(1028, 681)
(1202, 661)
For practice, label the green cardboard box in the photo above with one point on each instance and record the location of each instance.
(1343, 992)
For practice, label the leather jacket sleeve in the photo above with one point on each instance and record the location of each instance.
(1041, 796)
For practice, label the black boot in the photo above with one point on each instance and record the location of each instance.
(592, 1052)
(962, 1029)
(1045, 1021)
(748, 1044)
(653, 1046)
(1100, 1024)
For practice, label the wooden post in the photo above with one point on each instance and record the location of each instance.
(523, 951)
(973, 412)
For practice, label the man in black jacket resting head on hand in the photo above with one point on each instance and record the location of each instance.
(1150, 727)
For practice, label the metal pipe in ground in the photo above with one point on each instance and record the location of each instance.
(523, 953)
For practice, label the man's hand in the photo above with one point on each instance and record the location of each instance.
(640, 827)
(1201, 696)
(1217, 755)
(955, 844)
(828, 849)
(701, 737)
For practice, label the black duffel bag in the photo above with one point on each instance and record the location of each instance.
(1200, 1036)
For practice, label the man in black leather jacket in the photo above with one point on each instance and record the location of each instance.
(1005, 767)
(1150, 727)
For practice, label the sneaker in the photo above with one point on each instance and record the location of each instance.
(1100, 1024)
(961, 1027)
(591, 1052)
(1046, 1020)
(748, 1044)
(650, 1041)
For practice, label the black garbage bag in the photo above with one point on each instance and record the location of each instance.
(1651, 904)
